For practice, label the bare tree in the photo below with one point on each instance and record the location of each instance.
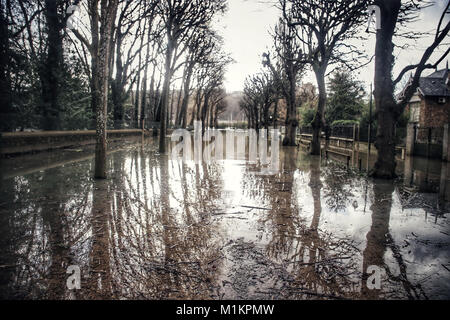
(129, 24)
(324, 27)
(181, 19)
(199, 48)
(393, 13)
(260, 94)
(291, 66)
(268, 95)
(220, 105)
(5, 80)
(56, 17)
(102, 17)
(211, 78)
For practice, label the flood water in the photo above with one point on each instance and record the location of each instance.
(161, 228)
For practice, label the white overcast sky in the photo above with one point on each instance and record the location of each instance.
(245, 29)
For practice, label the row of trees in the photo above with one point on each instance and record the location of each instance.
(264, 105)
(321, 36)
(79, 64)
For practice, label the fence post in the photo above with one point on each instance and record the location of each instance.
(443, 182)
(359, 138)
(354, 161)
(410, 139)
(445, 144)
(429, 142)
(408, 171)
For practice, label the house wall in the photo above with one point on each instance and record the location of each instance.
(434, 114)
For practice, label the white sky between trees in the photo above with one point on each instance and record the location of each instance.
(245, 29)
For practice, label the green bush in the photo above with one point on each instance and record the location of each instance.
(306, 116)
(344, 123)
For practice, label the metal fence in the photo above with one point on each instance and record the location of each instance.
(364, 134)
(361, 133)
(305, 130)
(347, 132)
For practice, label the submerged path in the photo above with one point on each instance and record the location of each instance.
(166, 229)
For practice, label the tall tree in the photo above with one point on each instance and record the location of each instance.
(200, 47)
(260, 93)
(344, 97)
(102, 15)
(5, 82)
(129, 21)
(181, 18)
(324, 28)
(287, 74)
(212, 77)
(389, 109)
(52, 68)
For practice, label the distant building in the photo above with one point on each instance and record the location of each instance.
(430, 105)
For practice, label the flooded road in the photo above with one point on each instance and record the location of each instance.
(160, 228)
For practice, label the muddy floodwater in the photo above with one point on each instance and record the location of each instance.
(161, 228)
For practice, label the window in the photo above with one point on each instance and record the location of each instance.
(414, 111)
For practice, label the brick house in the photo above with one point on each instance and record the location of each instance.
(430, 105)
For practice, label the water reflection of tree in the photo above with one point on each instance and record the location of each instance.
(42, 217)
(379, 240)
(283, 215)
(166, 252)
(130, 236)
(98, 284)
(320, 264)
(324, 264)
(339, 184)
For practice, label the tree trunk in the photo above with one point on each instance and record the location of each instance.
(275, 114)
(211, 116)
(51, 72)
(144, 98)
(266, 116)
(291, 117)
(100, 72)
(377, 241)
(384, 88)
(144, 82)
(165, 95)
(184, 105)
(117, 90)
(198, 103)
(204, 112)
(256, 119)
(152, 98)
(137, 101)
(6, 122)
(178, 116)
(216, 116)
(318, 122)
(177, 111)
(172, 102)
(158, 98)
